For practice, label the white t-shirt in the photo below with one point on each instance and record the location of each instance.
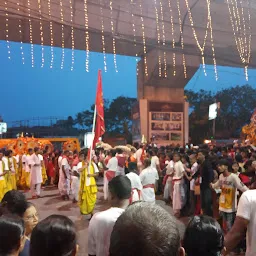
(112, 164)
(247, 210)
(100, 229)
(228, 197)
(6, 163)
(135, 180)
(154, 161)
(59, 162)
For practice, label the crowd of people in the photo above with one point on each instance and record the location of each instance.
(214, 185)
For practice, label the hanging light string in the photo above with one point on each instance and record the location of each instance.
(41, 32)
(201, 48)
(20, 33)
(158, 41)
(113, 33)
(173, 39)
(182, 41)
(7, 30)
(164, 39)
(212, 41)
(143, 39)
(62, 36)
(87, 36)
(51, 33)
(31, 35)
(103, 37)
(242, 33)
(72, 36)
(134, 33)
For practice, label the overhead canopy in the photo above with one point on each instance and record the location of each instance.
(131, 19)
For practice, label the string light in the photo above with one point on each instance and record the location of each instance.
(41, 31)
(103, 37)
(72, 36)
(212, 41)
(51, 33)
(7, 30)
(62, 35)
(201, 48)
(113, 34)
(134, 33)
(31, 35)
(143, 38)
(87, 36)
(173, 39)
(163, 34)
(182, 41)
(242, 34)
(158, 40)
(20, 33)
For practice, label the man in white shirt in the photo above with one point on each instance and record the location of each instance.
(101, 224)
(36, 174)
(135, 182)
(245, 222)
(121, 158)
(3, 171)
(64, 179)
(111, 170)
(25, 162)
(148, 177)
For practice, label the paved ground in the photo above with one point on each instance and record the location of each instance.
(51, 203)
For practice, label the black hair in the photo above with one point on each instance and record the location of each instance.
(147, 162)
(239, 158)
(145, 229)
(224, 162)
(203, 236)
(13, 202)
(30, 150)
(132, 167)
(119, 151)
(12, 230)
(112, 152)
(36, 149)
(54, 236)
(120, 187)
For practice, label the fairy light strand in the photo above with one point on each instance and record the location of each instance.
(51, 34)
(7, 30)
(242, 34)
(182, 41)
(212, 41)
(158, 41)
(164, 39)
(62, 36)
(20, 34)
(113, 34)
(87, 36)
(41, 32)
(201, 48)
(173, 39)
(31, 35)
(72, 36)
(143, 39)
(134, 32)
(103, 37)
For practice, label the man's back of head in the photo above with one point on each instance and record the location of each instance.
(145, 229)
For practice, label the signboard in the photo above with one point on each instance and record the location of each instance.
(166, 127)
(213, 111)
(3, 128)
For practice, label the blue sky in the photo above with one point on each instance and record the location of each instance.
(28, 92)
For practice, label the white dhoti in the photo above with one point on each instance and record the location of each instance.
(75, 182)
(108, 175)
(64, 184)
(177, 203)
(148, 193)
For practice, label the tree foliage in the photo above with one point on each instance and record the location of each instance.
(117, 116)
(236, 106)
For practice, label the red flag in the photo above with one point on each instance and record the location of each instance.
(99, 104)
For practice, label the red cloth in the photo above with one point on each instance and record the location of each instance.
(110, 175)
(99, 105)
(245, 179)
(165, 179)
(50, 169)
(149, 186)
(121, 161)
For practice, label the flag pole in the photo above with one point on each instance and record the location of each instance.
(93, 132)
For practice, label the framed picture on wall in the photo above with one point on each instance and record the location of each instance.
(157, 126)
(161, 136)
(155, 116)
(176, 136)
(176, 116)
(173, 126)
